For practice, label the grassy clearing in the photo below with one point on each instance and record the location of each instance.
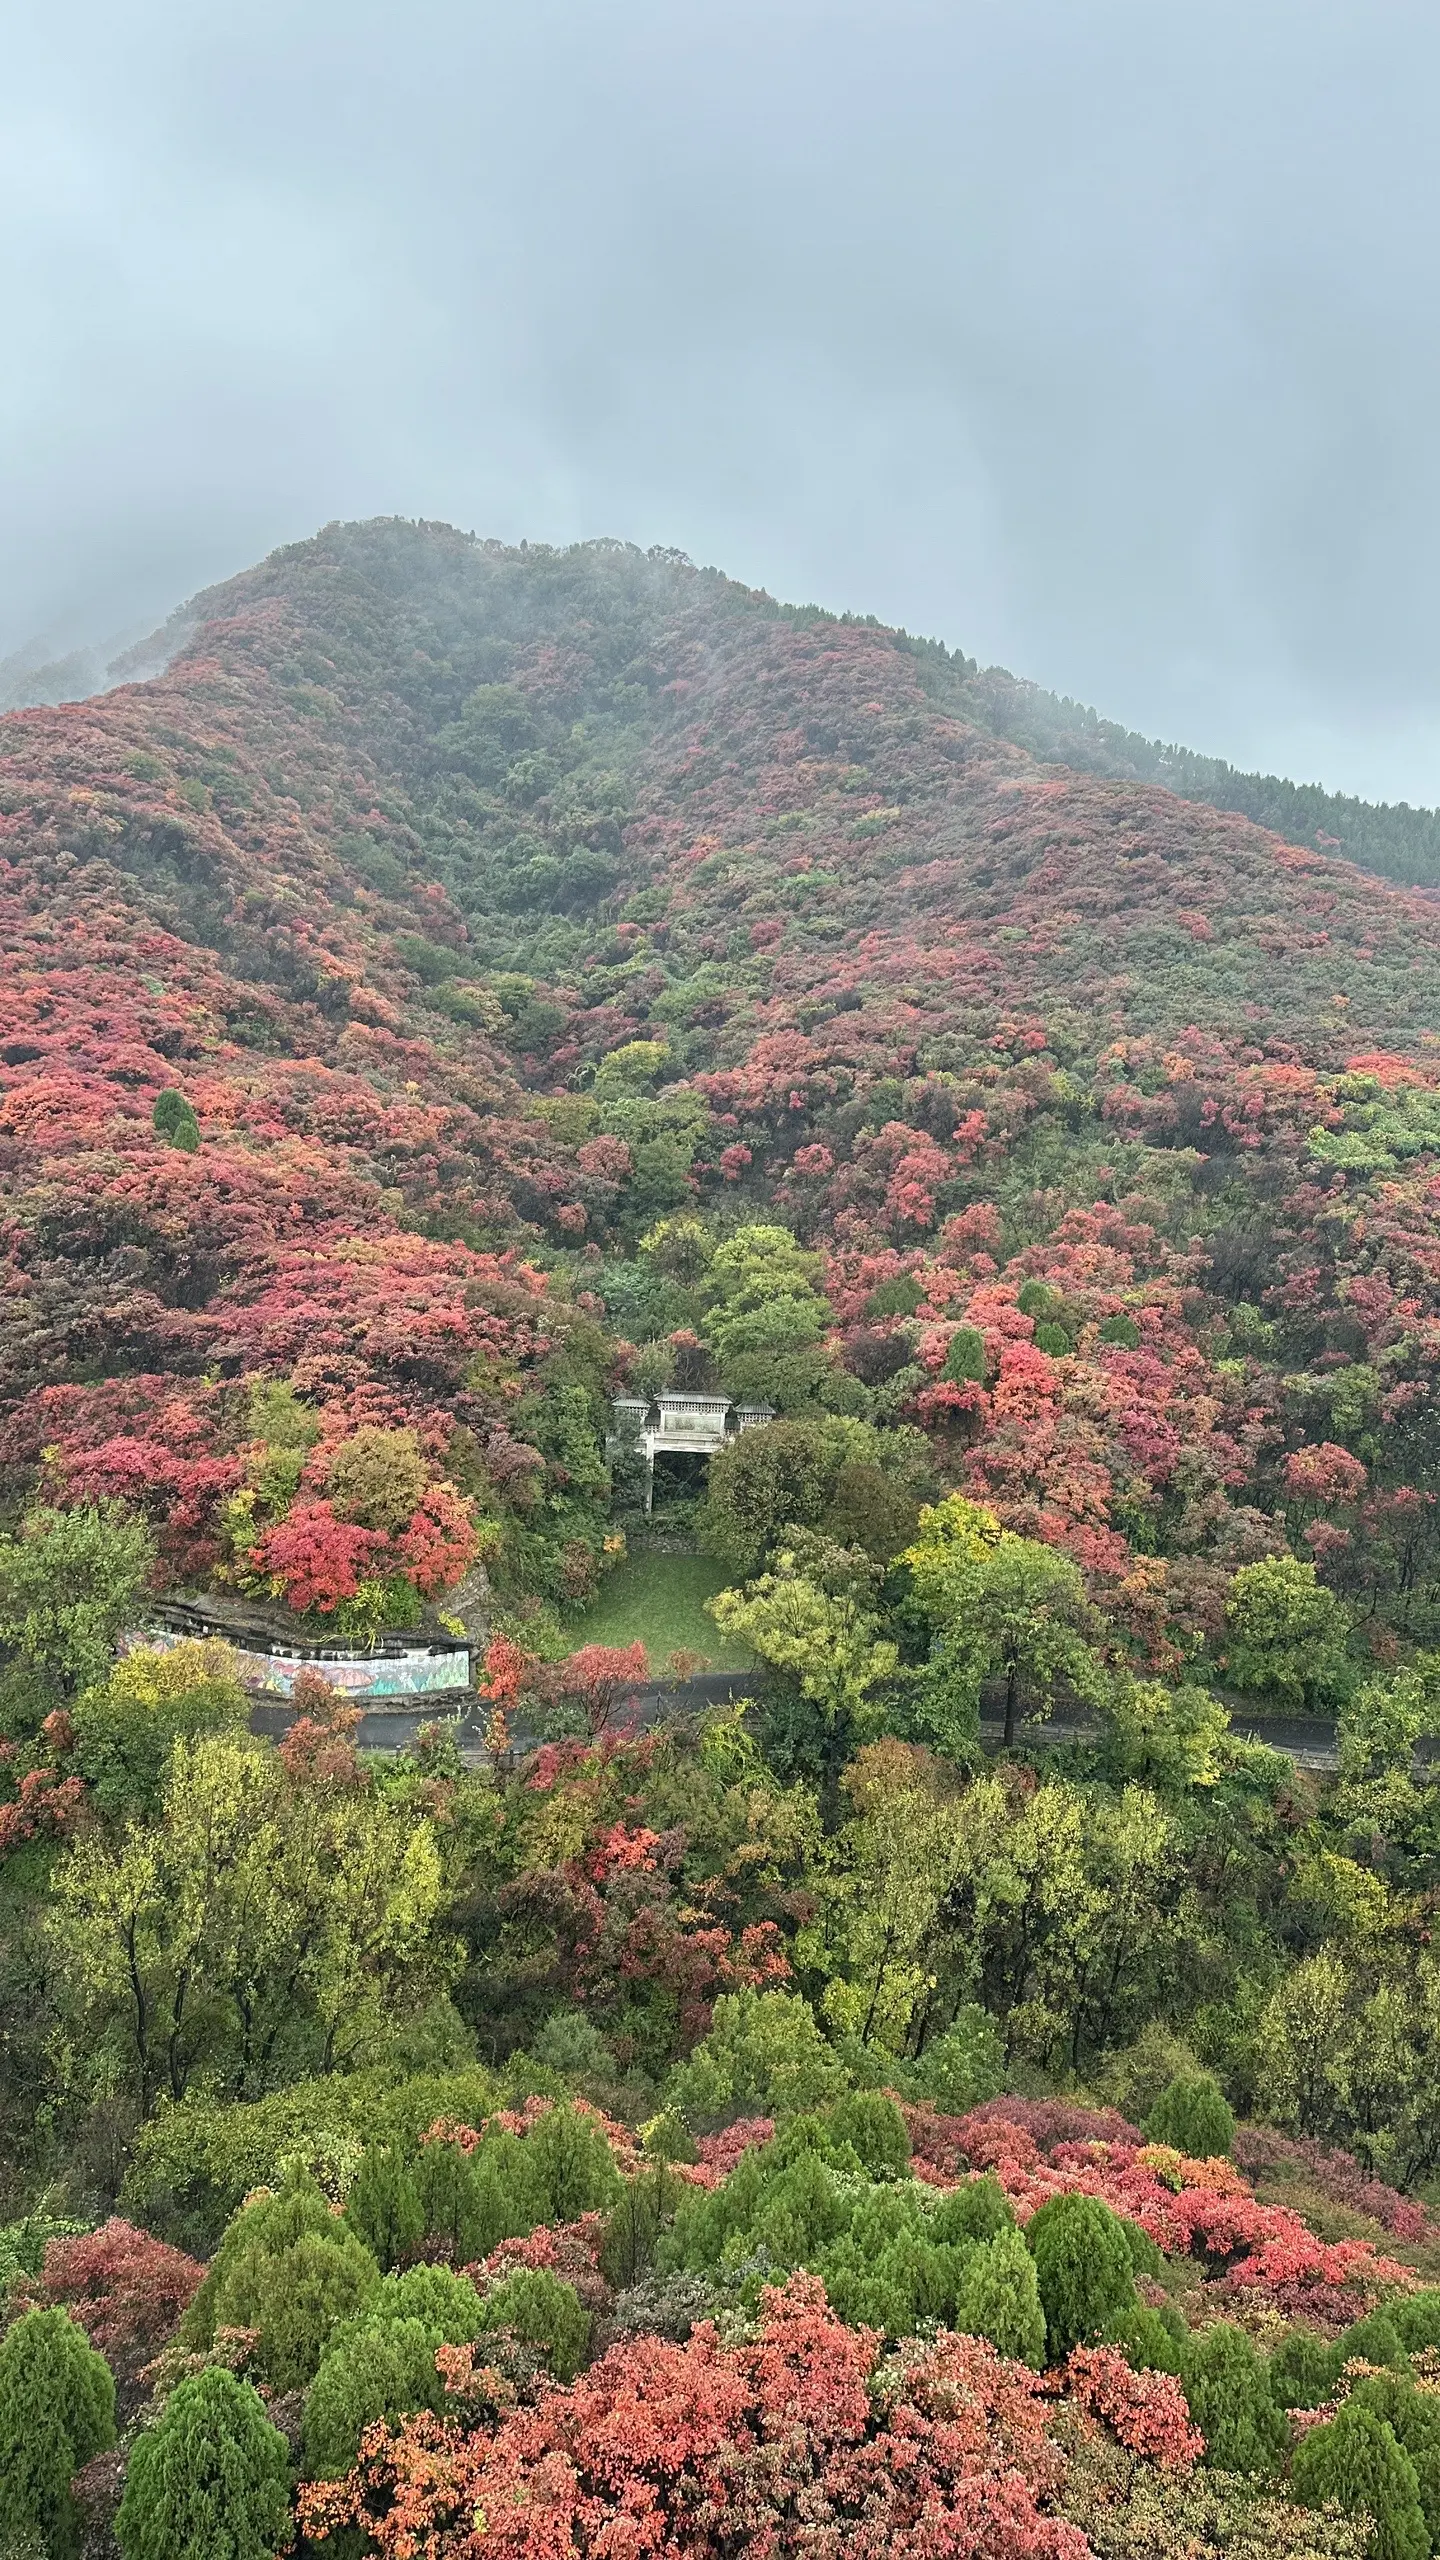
(661, 1600)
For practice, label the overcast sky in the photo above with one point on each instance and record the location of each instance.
(1100, 337)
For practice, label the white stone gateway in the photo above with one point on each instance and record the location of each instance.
(692, 1426)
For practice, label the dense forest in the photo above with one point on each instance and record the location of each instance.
(1399, 842)
(967, 2092)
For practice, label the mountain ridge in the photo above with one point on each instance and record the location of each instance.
(490, 907)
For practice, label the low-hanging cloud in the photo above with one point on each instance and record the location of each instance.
(1093, 335)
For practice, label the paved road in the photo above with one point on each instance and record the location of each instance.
(1308, 1740)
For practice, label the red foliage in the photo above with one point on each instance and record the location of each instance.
(796, 2444)
(44, 1801)
(1147, 2411)
(318, 1560)
(596, 1677)
(126, 2289)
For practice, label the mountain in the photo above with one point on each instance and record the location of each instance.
(483, 907)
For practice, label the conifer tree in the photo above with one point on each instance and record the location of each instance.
(1228, 2390)
(1000, 2299)
(1358, 2461)
(57, 2408)
(383, 2208)
(1193, 2116)
(210, 2481)
(1083, 2268)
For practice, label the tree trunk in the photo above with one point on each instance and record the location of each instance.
(1012, 1686)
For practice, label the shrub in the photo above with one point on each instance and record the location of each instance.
(1228, 2391)
(1303, 2369)
(874, 2128)
(127, 2290)
(999, 2299)
(1358, 2462)
(571, 2166)
(194, 2163)
(537, 2307)
(764, 2055)
(446, 2302)
(210, 2481)
(383, 2208)
(296, 2299)
(385, 2370)
(975, 2211)
(174, 1118)
(1376, 2338)
(1082, 2266)
(1416, 2318)
(1192, 2116)
(376, 1478)
(57, 2409)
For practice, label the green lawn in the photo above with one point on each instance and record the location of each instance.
(660, 1599)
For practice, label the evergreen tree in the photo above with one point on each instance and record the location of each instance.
(975, 2211)
(535, 2305)
(1359, 2462)
(297, 2299)
(211, 2479)
(1303, 2369)
(572, 2166)
(1192, 2116)
(386, 2369)
(1082, 2266)
(874, 2128)
(1000, 2299)
(1414, 2420)
(174, 1118)
(1228, 2390)
(447, 2187)
(383, 2208)
(57, 2408)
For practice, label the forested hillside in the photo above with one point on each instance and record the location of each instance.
(1399, 842)
(470, 983)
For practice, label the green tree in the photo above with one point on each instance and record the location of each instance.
(384, 2369)
(296, 2298)
(267, 1901)
(826, 1643)
(57, 2409)
(444, 2301)
(1228, 2390)
(1009, 1608)
(1414, 2421)
(210, 2480)
(70, 1584)
(126, 1729)
(1171, 1739)
(383, 2207)
(766, 1317)
(769, 1479)
(1083, 2269)
(999, 2299)
(571, 2167)
(764, 2055)
(536, 2306)
(173, 1118)
(452, 2208)
(1285, 1632)
(1193, 2116)
(875, 2129)
(1357, 2461)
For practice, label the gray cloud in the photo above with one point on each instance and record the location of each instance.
(1098, 336)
